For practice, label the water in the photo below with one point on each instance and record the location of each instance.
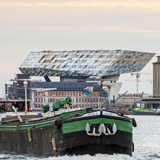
(146, 137)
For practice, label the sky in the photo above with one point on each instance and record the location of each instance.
(27, 25)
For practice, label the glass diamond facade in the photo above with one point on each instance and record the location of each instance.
(84, 62)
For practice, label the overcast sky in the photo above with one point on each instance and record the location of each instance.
(27, 26)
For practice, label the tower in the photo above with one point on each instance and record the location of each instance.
(156, 78)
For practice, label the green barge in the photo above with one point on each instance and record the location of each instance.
(78, 132)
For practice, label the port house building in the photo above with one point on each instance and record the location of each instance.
(78, 69)
(81, 64)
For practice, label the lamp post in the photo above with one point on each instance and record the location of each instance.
(101, 87)
(25, 82)
(25, 88)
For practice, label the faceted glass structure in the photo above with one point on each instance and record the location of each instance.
(84, 62)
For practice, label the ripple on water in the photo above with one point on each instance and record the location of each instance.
(136, 156)
(83, 157)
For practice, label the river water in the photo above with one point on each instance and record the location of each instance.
(146, 138)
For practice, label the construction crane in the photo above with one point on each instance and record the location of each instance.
(120, 96)
(137, 79)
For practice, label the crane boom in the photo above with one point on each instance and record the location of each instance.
(57, 105)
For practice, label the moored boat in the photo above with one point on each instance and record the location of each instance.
(144, 111)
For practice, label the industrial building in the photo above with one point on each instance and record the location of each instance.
(156, 78)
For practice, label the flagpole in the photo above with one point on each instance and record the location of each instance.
(86, 91)
(101, 87)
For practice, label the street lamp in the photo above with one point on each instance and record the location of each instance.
(25, 88)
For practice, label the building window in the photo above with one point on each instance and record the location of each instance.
(79, 99)
(96, 99)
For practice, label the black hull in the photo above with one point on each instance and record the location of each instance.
(77, 143)
(17, 142)
(80, 143)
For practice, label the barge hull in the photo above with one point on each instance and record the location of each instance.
(78, 143)
(17, 141)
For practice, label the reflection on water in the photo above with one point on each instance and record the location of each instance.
(146, 137)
